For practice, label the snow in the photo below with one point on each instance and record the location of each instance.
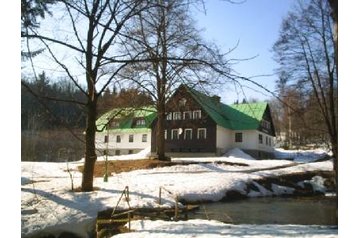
(48, 205)
(237, 153)
(301, 155)
(206, 228)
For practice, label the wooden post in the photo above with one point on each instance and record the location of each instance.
(129, 221)
(160, 196)
(176, 207)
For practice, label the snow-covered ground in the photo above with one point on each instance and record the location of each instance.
(48, 205)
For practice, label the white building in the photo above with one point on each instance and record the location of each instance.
(124, 131)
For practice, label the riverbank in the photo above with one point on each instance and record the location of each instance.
(48, 206)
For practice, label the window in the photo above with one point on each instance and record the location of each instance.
(169, 116)
(266, 124)
(175, 134)
(130, 152)
(118, 152)
(238, 137)
(140, 122)
(105, 139)
(114, 124)
(165, 134)
(182, 102)
(176, 116)
(266, 138)
(118, 138)
(201, 133)
(260, 138)
(188, 134)
(187, 115)
(105, 152)
(197, 114)
(131, 138)
(144, 137)
(270, 142)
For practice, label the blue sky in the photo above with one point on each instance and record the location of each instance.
(255, 24)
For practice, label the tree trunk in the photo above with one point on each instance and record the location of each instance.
(160, 130)
(90, 156)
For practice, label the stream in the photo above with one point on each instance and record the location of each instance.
(316, 210)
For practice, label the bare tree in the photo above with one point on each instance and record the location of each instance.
(167, 35)
(89, 35)
(306, 53)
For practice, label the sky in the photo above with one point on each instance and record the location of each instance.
(252, 26)
(255, 24)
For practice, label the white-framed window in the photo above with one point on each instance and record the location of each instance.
(201, 133)
(140, 122)
(238, 137)
(188, 134)
(260, 139)
(176, 115)
(165, 134)
(182, 102)
(169, 116)
(118, 139)
(144, 138)
(266, 124)
(197, 114)
(131, 138)
(187, 115)
(114, 124)
(175, 134)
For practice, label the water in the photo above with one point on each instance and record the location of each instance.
(303, 210)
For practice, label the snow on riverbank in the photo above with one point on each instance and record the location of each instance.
(205, 229)
(48, 205)
(301, 155)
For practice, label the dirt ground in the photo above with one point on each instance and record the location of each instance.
(118, 166)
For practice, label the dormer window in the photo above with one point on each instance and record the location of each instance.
(140, 122)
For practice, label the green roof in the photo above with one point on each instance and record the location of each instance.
(245, 116)
(124, 118)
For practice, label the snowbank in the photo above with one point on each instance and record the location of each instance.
(206, 228)
(237, 153)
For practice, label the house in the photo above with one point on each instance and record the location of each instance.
(195, 125)
(124, 131)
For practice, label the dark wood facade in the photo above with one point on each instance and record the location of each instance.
(184, 106)
(266, 124)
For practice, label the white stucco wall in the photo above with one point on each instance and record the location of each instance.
(124, 144)
(225, 140)
(249, 140)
